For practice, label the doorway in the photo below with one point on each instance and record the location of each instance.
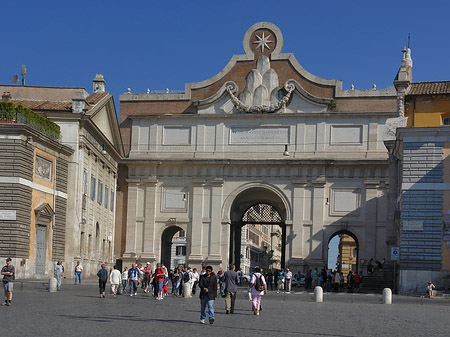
(343, 251)
(170, 239)
(41, 232)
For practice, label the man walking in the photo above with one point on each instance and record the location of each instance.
(59, 273)
(78, 271)
(208, 294)
(231, 280)
(114, 278)
(258, 288)
(9, 274)
(147, 276)
(133, 278)
(102, 279)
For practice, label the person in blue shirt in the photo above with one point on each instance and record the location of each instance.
(133, 277)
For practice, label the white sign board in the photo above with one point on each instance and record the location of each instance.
(7, 215)
(395, 253)
(412, 225)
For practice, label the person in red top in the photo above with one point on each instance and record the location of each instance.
(160, 275)
(357, 278)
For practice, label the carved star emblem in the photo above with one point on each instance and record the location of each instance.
(263, 42)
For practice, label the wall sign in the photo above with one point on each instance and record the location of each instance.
(7, 215)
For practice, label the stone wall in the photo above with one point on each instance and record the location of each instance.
(422, 163)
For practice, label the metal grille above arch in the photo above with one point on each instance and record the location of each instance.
(262, 214)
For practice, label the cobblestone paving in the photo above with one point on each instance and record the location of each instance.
(78, 311)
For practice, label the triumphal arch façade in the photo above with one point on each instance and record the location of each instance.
(262, 131)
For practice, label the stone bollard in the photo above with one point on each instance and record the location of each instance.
(52, 285)
(387, 296)
(187, 290)
(318, 294)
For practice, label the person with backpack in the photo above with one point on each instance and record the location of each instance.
(258, 288)
(102, 278)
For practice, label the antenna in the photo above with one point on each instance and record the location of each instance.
(23, 73)
(409, 37)
(14, 79)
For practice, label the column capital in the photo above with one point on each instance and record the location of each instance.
(299, 182)
(132, 181)
(216, 182)
(198, 182)
(319, 182)
(372, 183)
(150, 180)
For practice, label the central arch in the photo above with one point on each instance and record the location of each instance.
(259, 207)
(166, 244)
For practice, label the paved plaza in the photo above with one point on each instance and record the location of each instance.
(78, 311)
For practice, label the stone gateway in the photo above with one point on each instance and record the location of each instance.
(263, 142)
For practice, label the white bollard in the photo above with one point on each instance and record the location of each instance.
(187, 290)
(387, 296)
(52, 285)
(318, 294)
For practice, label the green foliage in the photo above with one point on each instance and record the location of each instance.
(11, 112)
(332, 105)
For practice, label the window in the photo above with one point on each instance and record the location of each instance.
(112, 201)
(181, 250)
(93, 184)
(100, 193)
(85, 182)
(446, 121)
(106, 196)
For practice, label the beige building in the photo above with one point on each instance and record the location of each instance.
(89, 126)
(262, 131)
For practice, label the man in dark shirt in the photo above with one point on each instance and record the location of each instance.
(9, 274)
(208, 294)
(231, 280)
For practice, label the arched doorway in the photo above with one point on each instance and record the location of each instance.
(258, 231)
(167, 243)
(343, 252)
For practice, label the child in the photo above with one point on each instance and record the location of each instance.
(166, 282)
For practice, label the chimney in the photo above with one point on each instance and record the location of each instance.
(98, 84)
(79, 103)
(6, 96)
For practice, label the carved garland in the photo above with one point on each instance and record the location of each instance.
(288, 86)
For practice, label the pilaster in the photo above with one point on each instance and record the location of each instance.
(130, 247)
(149, 218)
(317, 218)
(371, 216)
(214, 255)
(297, 219)
(196, 234)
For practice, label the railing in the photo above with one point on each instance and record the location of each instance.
(18, 114)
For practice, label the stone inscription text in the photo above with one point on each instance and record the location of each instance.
(259, 135)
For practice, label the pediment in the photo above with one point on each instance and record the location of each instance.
(263, 80)
(44, 210)
(104, 117)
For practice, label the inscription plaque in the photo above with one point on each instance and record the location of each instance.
(262, 135)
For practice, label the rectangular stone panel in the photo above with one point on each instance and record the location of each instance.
(346, 134)
(173, 199)
(176, 135)
(345, 201)
(259, 135)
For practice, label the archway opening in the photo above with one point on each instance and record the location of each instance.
(258, 231)
(343, 251)
(172, 238)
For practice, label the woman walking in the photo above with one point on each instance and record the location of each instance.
(258, 288)
(102, 278)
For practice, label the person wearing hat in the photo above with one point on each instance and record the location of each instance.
(9, 274)
(147, 276)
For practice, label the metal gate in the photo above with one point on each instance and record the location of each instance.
(258, 214)
(40, 249)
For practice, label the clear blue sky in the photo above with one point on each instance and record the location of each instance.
(164, 44)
